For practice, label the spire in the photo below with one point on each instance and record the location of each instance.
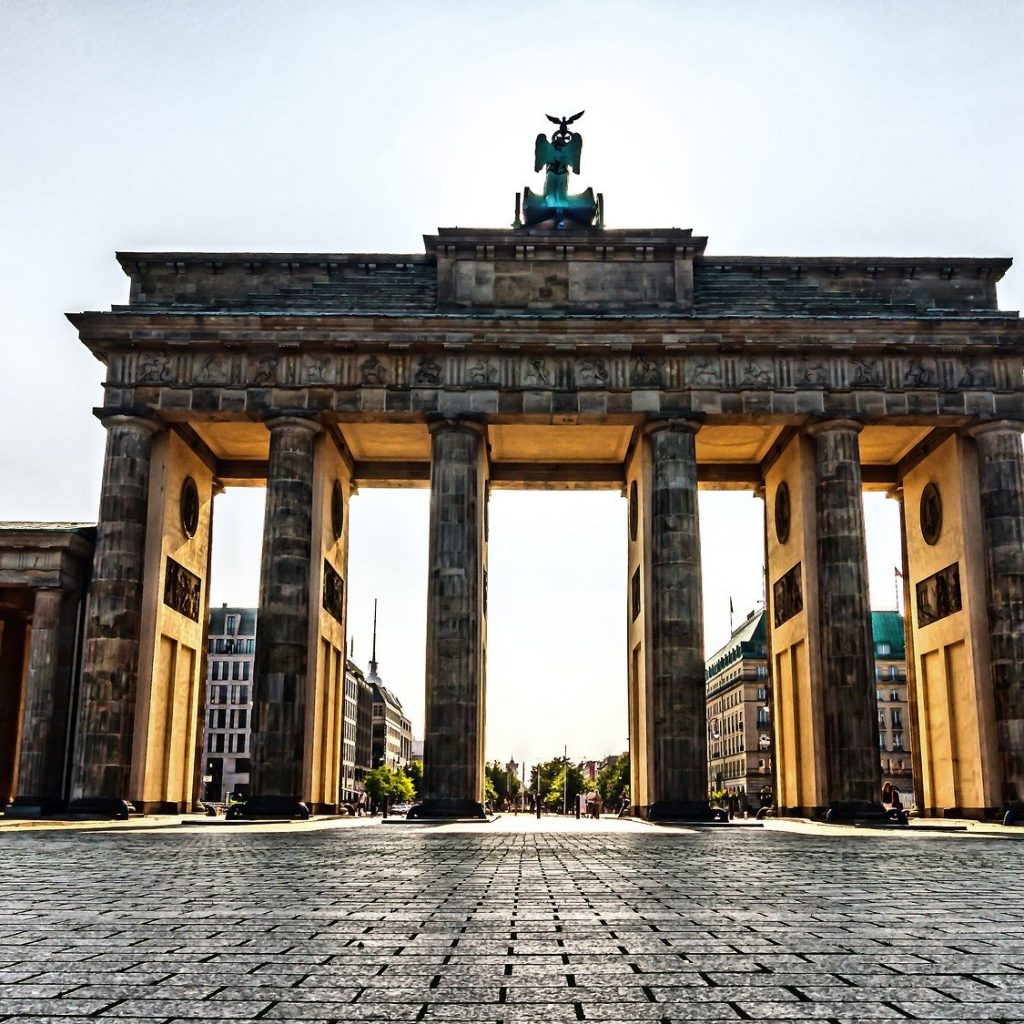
(373, 655)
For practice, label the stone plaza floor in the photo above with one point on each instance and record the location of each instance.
(352, 920)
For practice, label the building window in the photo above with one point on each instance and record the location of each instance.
(894, 695)
(762, 693)
(881, 741)
(762, 717)
(231, 625)
(878, 694)
(897, 718)
(215, 743)
(762, 671)
(897, 741)
(883, 649)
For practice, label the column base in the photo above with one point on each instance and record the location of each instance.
(161, 807)
(100, 807)
(448, 810)
(1014, 815)
(849, 812)
(258, 808)
(971, 813)
(685, 810)
(32, 807)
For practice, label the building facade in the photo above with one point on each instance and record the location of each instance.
(357, 734)
(227, 743)
(739, 704)
(392, 731)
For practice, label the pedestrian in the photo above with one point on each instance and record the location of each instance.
(733, 803)
(887, 793)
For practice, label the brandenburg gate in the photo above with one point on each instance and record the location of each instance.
(556, 353)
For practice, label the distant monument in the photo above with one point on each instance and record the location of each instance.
(558, 156)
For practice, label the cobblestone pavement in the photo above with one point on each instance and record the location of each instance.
(508, 923)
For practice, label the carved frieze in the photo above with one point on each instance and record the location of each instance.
(939, 595)
(373, 372)
(182, 590)
(647, 372)
(532, 370)
(788, 595)
(334, 593)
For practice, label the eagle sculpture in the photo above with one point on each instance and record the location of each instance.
(558, 156)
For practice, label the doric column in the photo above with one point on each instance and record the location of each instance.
(678, 744)
(110, 662)
(1001, 489)
(282, 641)
(850, 711)
(453, 757)
(44, 716)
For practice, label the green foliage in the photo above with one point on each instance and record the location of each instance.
(501, 785)
(613, 781)
(560, 779)
(385, 783)
(414, 772)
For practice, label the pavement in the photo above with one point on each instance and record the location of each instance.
(516, 920)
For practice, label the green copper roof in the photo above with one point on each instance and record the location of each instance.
(887, 628)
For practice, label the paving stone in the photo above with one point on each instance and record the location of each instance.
(401, 924)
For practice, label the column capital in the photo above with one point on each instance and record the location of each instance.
(474, 424)
(129, 416)
(689, 421)
(285, 418)
(825, 424)
(990, 426)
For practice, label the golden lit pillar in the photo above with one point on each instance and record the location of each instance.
(949, 617)
(328, 603)
(964, 553)
(173, 627)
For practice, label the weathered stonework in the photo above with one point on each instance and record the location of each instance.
(456, 622)
(1001, 488)
(538, 359)
(678, 738)
(282, 644)
(111, 646)
(847, 655)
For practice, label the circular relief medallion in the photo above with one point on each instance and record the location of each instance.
(337, 510)
(782, 512)
(931, 514)
(188, 507)
(634, 511)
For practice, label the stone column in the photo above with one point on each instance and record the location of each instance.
(453, 755)
(1001, 489)
(282, 640)
(678, 746)
(852, 766)
(110, 664)
(44, 716)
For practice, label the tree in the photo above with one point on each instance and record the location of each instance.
(385, 783)
(613, 780)
(501, 785)
(414, 771)
(567, 785)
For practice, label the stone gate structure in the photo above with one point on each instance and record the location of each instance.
(568, 356)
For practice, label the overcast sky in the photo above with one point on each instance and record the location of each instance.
(773, 128)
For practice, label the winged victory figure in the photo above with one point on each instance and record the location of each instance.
(558, 156)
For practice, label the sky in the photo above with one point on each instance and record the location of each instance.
(778, 128)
